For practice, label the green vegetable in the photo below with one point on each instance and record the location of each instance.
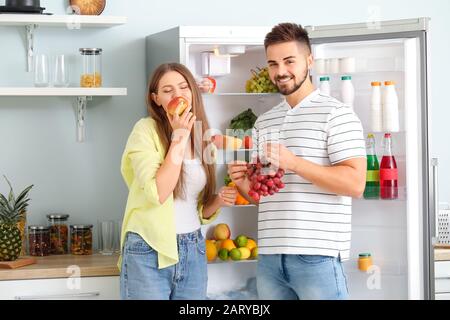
(243, 121)
(227, 180)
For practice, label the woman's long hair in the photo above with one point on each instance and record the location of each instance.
(165, 130)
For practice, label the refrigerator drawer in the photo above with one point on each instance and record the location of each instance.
(442, 286)
(442, 296)
(442, 269)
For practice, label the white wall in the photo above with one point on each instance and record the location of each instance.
(37, 135)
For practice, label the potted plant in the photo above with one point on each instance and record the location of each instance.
(12, 214)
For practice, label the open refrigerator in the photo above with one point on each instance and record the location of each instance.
(397, 233)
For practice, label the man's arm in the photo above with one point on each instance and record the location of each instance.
(347, 178)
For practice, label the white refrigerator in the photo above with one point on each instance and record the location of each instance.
(398, 233)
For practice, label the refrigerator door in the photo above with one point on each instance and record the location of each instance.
(397, 233)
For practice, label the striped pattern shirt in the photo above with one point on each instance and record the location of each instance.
(303, 218)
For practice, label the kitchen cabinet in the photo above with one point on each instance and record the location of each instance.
(84, 288)
(71, 22)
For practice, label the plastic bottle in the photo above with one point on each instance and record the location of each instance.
(388, 171)
(372, 190)
(376, 115)
(390, 108)
(347, 91)
(325, 85)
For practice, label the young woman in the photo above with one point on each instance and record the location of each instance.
(163, 250)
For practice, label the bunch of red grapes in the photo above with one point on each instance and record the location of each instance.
(263, 185)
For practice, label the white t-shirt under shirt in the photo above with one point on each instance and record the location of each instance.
(303, 218)
(186, 213)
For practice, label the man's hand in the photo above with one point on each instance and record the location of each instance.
(238, 172)
(279, 156)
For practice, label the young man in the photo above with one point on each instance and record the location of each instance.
(304, 231)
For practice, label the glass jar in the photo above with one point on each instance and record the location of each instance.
(81, 239)
(59, 233)
(91, 76)
(364, 261)
(39, 240)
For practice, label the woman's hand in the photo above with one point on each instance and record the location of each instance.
(182, 124)
(227, 196)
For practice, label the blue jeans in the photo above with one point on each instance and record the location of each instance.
(304, 277)
(140, 277)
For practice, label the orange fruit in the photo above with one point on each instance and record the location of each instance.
(250, 244)
(228, 244)
(211, 250)
(254, 253)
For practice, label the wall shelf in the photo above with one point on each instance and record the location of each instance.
(71, 22)
(83, 95)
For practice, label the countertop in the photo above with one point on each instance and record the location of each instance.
(441, 254)
(50, 267)
(96, 265)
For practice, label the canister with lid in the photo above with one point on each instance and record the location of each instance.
(81, 239)
(59, 233)
(91, 76)
(39, 240)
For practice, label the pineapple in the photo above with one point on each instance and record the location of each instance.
(12, 210)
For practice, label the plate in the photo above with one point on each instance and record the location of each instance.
(88, 7)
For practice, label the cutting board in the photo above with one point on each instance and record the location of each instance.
(442, 246)
(21, 262)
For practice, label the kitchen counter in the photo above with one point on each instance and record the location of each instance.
(441, 254)
(51, 267)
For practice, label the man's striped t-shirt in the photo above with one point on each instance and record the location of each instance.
(303, 218)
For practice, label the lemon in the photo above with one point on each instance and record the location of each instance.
(235, 254)
(223, 254)
(241, 241)
(245, 253)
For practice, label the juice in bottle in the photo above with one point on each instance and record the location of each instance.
(372, 190)
(388, 171)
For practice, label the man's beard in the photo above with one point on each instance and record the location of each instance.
(286, 90)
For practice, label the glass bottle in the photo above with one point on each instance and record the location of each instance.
(388, 171)
(372, 190)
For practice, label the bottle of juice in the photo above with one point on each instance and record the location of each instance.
(372, 190)
(388, 171)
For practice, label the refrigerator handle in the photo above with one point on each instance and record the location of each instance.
(435, 201)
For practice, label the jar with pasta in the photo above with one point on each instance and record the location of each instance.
(81, 239)
(59, 233)
(91, 76)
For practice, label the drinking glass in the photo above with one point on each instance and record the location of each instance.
(60, 73)
(41, 71)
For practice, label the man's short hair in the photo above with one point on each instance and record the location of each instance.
(287, 32)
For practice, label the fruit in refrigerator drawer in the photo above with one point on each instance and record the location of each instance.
(222, 232)
(245, 253)
(211, 250)
(241, 241)
(177, 105)
(228, 244)
(254, 254)
(251, 244)
(224, 254)
(235, 254)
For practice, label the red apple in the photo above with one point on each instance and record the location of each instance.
(248, 143)
(177, 105)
